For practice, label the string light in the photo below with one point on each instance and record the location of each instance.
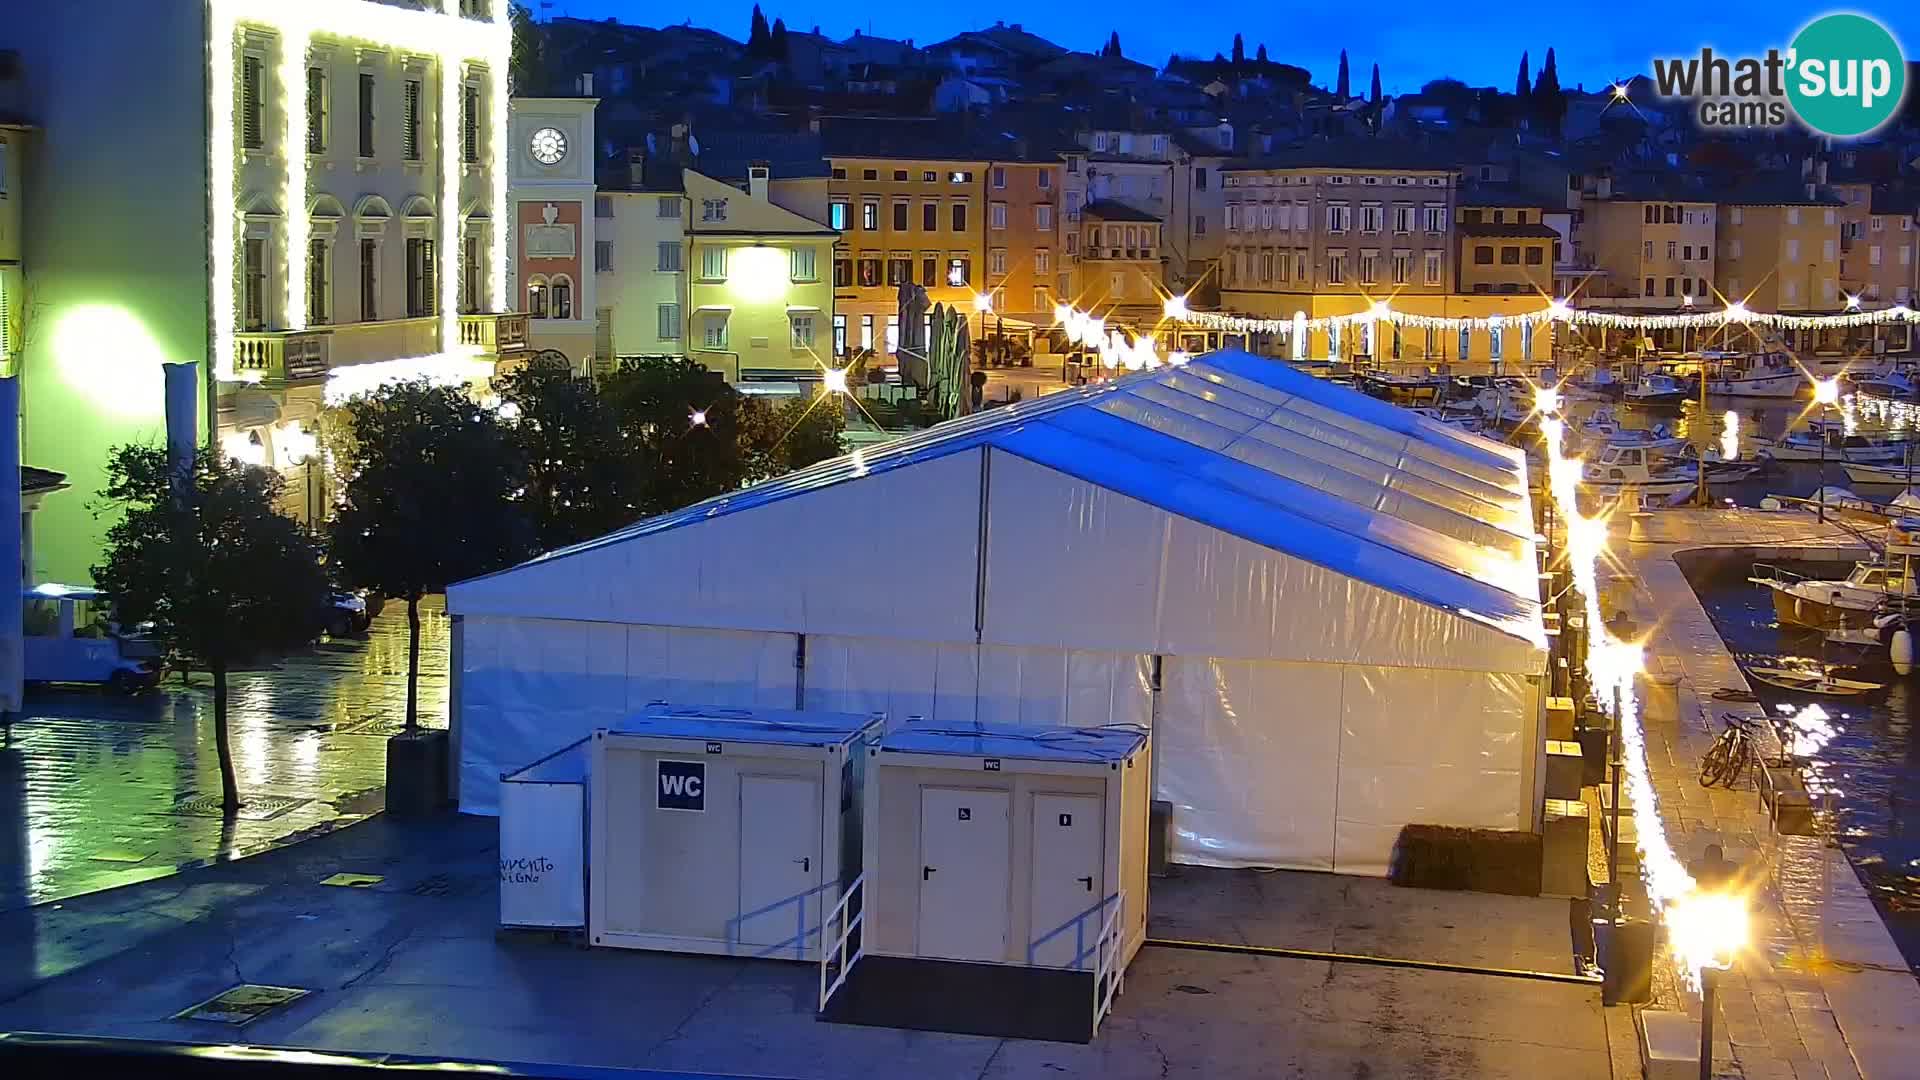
(1555, 311)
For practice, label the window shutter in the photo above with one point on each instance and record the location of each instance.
(366, 114)
(316, 111)
(410, 122)
(427, 290)
(470, 125)
(250, 134)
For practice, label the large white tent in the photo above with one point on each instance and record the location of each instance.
(1325, 607)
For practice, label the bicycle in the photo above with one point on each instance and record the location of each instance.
(1731, 753)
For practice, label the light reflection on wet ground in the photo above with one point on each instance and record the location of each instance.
(92, 785)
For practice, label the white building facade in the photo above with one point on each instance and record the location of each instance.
(556, 248)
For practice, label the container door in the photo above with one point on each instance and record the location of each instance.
(1068, 883)
(779, 862)
(963, 873)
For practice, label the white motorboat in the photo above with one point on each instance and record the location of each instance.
(1603, 429)
(1863, 475)
(1774, 375)
(1658, 391)
(1621, 468)
(1823, 604)
(1896, 382)
(1830, 442)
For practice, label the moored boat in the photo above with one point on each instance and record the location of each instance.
(1658, 391)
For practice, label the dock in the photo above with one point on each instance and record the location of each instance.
(1824, 991)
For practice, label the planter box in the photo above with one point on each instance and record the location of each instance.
(417, 773)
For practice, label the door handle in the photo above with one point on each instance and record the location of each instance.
(927, 872)
(1087, 881)
(806, 863)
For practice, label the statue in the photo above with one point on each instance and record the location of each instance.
(911, 351)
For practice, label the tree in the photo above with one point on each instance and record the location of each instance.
(794, 435)
(777, 41)
(1261, 56)
(686, 424)
(758, 35)
(1341, 88)
(1239, 50)
(1523, 87)
(1549, 104)
(432, 496)
(583, 479)
(1113, 45)
(1373, 97)
(526, 68)
(221, 575)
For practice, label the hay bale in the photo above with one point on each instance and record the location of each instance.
(1478, 860)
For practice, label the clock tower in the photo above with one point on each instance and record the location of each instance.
(550, 166)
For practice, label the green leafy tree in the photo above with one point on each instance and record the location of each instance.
(221, 575)
(793, 435)
(583, 477)
(686, 423)
(526, 68)
(432, 495)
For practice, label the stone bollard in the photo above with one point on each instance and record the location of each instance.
(1637, 526)
(1659, 696)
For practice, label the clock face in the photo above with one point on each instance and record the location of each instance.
(547, 146)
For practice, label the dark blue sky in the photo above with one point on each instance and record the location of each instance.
(1411, 41)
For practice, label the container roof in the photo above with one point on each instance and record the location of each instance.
(1256, 449)
(786, 727)
(1114, 743)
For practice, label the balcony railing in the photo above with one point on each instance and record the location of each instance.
(499, 333)
(283, 356)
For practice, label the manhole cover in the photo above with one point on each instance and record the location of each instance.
(353, 881)
(242, 1004)
(253, 807)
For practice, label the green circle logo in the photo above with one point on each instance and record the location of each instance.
(1846, 75)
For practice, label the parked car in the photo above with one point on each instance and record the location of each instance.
(350, 613)
(69, 638)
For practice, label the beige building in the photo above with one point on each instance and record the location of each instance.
(1778, 248)
(1117, 272)
(1877, 245)
(1648, 254)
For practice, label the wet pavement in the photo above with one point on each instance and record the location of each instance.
(99, 790)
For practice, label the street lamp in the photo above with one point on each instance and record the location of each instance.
(1825, 392)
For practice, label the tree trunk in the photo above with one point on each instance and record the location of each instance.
(229, 787)
(413, 662)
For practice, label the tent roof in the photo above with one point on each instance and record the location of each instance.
(1258, 450)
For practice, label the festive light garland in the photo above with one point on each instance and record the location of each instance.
(451, 39)
(1556, 311)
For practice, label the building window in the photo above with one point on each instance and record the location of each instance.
(959, 272)
(1336, 267)
(959, 217)
(869, 271)
(1402, 267)
(369, 280)
(1045, 178)
(1433, 261)
(900, 216)
(960, 177)
(714, 210)
(1536, 256)
(1369, 261)
(1483, 255)
(1199, 178)
(252, 129)
(316, 111)
(669, 256)
(713, 330)
(1073, 243)
(1040, 300)
(929, 177)
(900, 271)
(837, 214)
(1648, 291)
(1369, 218)
(602, 256)
(839, 335)
(866, 332)
(1494, 343)
(668, 328)
(561, 302)
(929, 216)
(1000, 178)
(839, 174)
(470, 272)
(1042, 261)
(254, 273)
(537, 297)
(1402, 218)
(899, 174)
(997, 261)
(713, 263)
(1526, 340)
(929, 272)
(870, 174)
(802, 331)
(470, 124)
(409, 118)
(997, 215)
(1339, 217)
(1436, 218)
(800, 264)
(1509, 256)
(420, 293)
(668, 206)
(1466, 343)
(870, 215)
(1043, 216)
(842, 273)
(319, 283)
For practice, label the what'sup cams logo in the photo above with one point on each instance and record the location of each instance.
(1844, 75)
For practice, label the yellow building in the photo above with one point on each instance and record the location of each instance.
(1504, 249)
(760, 300)
(1117, 273)
(1652, 249)
(902, 220)
(1779, 248)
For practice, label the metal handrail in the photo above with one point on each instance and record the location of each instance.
(1078, 925)
(801, 933)
(1108, 973)
(837, 951)
(1770, 572)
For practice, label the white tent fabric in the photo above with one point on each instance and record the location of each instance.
(1337, 598)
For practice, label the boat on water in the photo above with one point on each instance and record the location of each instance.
(1603, 429)
(1830, 442)
(1466, 419)
(1864, 475)
(1622, 468)
(1658, 391)
(1900, 381)
(1771, 375)
(1812, 682)
(1850, 602)
(1404, 389)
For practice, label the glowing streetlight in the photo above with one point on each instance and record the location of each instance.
(1559, 310)
(1853, 301)
(1178, 358)
(1826, 391)
(983, 302)
(1619, 92)
(1381, 310)
(698, 418)
(1546, 399)
(1737, 311)
(834, 380)
(1061, 314)
(1175, 307)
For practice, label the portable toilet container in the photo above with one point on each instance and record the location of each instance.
(723, 830)
(543, 842)
(1005, 888)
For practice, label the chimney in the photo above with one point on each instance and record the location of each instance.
(758, 174)
(586, 84)
(636, 167)
(682, 152)
(1820, 171)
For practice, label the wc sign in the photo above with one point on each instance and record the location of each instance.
(683, 786)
